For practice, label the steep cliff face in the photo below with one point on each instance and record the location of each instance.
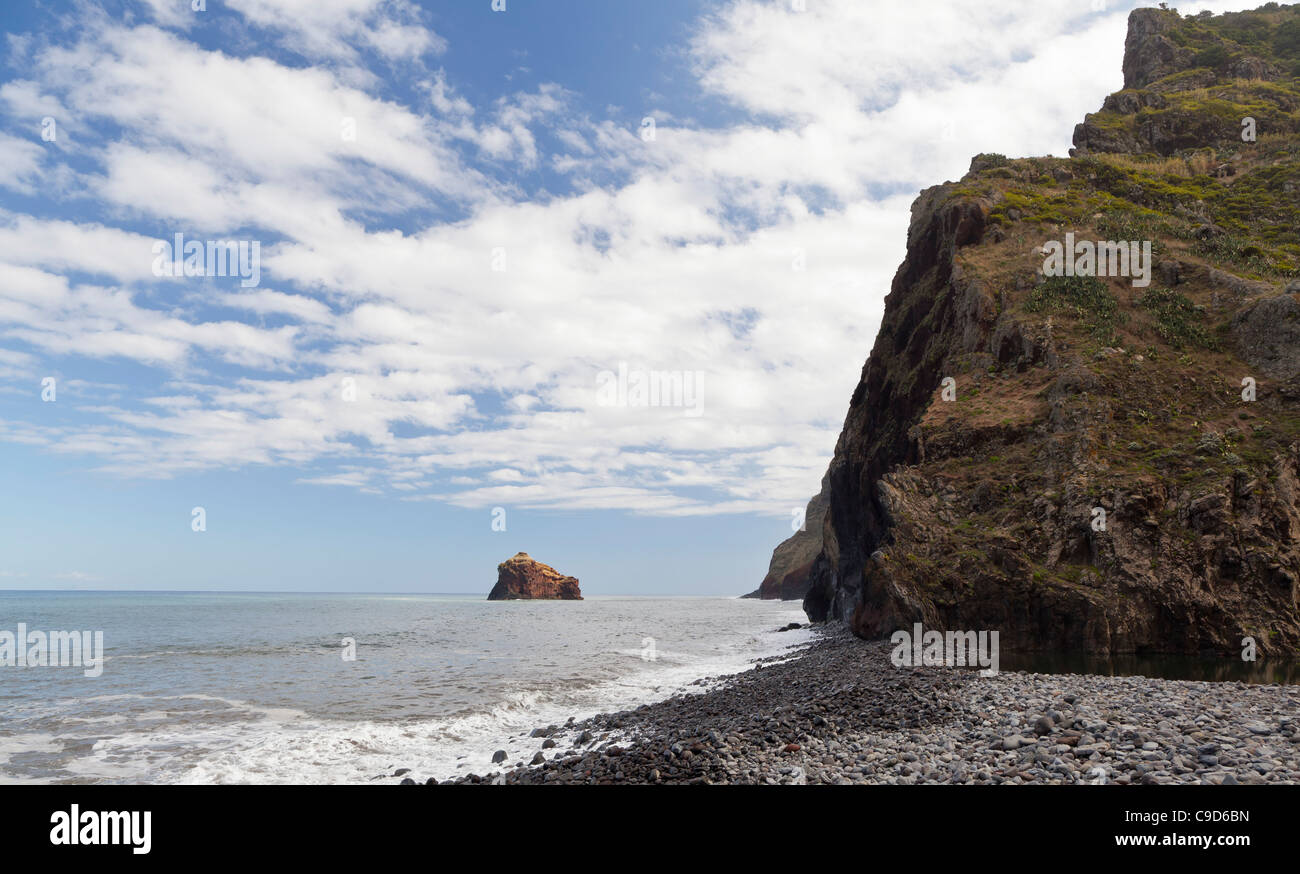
(1084, 461)
(932, 311)
(788, 574)
(525, 578)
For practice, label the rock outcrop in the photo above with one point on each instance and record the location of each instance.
(1082, 462)
(523, 578)
(1169, 64)
(1268, 334)
(1150, 53)
(788, 573)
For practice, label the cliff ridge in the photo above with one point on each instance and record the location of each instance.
(1084, 460)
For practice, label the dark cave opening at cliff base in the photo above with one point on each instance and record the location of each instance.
(1216, 669)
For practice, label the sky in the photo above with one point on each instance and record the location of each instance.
(474, 233)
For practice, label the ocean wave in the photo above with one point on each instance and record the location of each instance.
(197, 738)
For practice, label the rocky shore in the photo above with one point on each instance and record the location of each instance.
(837, 711)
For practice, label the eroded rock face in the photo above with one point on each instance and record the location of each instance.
(1107, 496)
(1139, 586)
(1180, 569)
(932, 310)
(788, 573)
(1268, 334)
(523, 578)
(1149, 53)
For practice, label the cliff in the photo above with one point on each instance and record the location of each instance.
(525, 578)
(1113, 467)
(788, 573)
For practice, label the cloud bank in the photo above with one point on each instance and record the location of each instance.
(432, 321)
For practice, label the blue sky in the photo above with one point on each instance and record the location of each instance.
(467, 221)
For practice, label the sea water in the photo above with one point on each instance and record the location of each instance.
(258, 688)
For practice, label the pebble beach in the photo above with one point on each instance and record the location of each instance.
(837, 711)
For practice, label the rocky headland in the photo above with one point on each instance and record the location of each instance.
(1082, 461)
(788, 574)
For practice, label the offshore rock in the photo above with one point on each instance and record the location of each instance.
(523, 578)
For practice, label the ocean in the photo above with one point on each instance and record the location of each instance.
(255, 687)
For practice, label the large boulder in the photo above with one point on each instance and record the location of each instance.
(523, 578)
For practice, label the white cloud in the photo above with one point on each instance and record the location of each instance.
(267, 302)
(70, 246)
(323, 29)
(20, 164)
(207, 127)
(172, 13)
(757, 252)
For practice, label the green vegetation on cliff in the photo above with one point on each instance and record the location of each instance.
(1119, 469)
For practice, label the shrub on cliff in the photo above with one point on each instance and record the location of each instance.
(1286, 42)
(1086, 297)
(1177, 320)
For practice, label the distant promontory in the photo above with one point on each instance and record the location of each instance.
(523, 578)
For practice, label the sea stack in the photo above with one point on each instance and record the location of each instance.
(523, 578)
